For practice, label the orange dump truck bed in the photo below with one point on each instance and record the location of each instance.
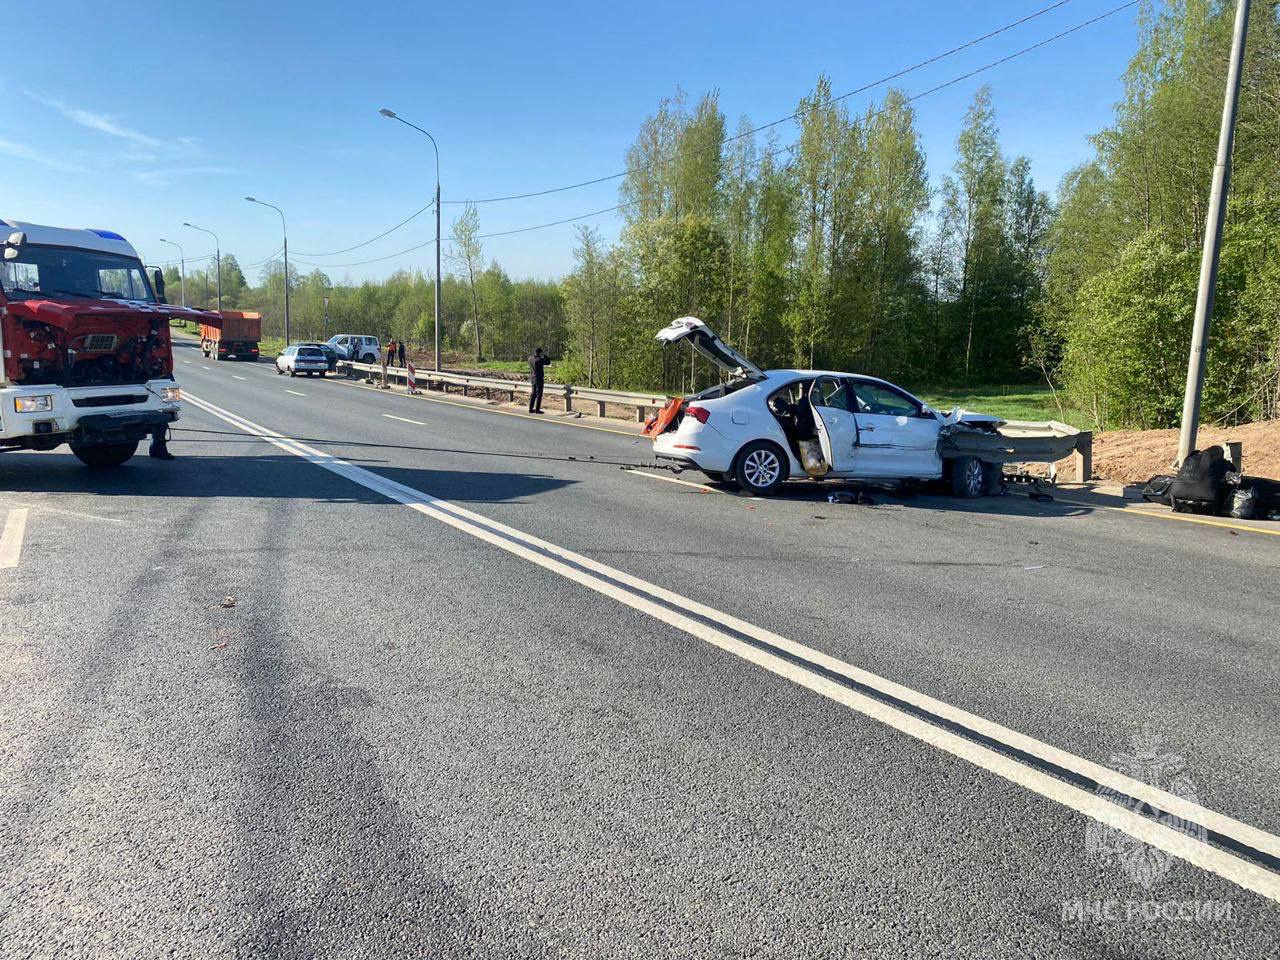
(232, 325)
(231, 333)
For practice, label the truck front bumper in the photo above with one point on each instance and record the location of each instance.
(109, 414)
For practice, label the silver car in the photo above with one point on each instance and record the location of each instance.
(300, 358)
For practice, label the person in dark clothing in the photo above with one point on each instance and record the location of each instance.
(159, 446)
(400, 352)
(537, 367)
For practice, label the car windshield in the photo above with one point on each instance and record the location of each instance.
(58, 273)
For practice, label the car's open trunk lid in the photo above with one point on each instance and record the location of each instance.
(705, 341)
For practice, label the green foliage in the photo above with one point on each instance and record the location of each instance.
(1119, 297)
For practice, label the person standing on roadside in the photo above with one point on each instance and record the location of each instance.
(391, 352)
(400, 351)
(537, 366)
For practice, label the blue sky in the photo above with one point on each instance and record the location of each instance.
(139, 116)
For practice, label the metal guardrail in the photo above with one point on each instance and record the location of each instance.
(642, 403)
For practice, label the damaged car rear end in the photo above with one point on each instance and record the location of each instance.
(760, 428)
(87, 357)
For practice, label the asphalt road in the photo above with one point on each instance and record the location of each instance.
(483, 693)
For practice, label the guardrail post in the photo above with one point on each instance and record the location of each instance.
(1234, 451)
(568, 398)
(600, 408)
(1083, 456)
(640, 412)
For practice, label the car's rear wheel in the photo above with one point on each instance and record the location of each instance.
(968, 477)
(761, 467)
(104, 455)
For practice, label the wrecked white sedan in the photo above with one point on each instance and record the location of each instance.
(762, 427)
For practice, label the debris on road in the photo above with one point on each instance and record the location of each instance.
(847, 496)
(228, 601)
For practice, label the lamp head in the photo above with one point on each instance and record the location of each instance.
(388, 113)
(251, 199)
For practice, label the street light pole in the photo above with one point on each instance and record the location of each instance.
(392, 115)
(284, 228)
(1212, 240)
(182, 259)
(217, 246)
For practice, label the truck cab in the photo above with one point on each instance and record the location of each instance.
(85, 345)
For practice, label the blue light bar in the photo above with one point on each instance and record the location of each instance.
(109, 235)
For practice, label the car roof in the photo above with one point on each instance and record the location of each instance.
(784, 376)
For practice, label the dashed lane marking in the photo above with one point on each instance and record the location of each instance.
(1039, 767)
(295, 393)
(392, 416)
(15, 530)
(236, 376)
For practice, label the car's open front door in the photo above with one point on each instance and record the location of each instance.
(834, 423)
(705, 341)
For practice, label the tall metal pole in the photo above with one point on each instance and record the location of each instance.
(392, 115)
(284, 228)
(1213, 240)
(182, 259)
(217, 246)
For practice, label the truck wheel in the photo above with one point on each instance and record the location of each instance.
(761, 467)
(102, 455)
(968, 477)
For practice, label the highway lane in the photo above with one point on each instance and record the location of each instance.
(411, 738)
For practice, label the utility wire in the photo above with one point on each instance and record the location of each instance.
(911, 99)
(772, 153)
(773, 123)
(334, 253)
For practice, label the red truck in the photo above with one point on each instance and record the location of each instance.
(230, 334)
(84, 336)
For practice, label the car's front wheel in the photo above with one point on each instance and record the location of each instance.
(761, 467)
(368, 358)
(104, 455)
(968, 478)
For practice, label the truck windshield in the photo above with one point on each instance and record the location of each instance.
(57, 273)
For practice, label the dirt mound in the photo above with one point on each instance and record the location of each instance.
(1131, 456)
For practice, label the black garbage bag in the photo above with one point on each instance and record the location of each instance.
(1244, 503)
(1156, 490)
(1266, 497)
(1201, 484)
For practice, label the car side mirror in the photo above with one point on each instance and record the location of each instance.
(13, 246)
(157, 279)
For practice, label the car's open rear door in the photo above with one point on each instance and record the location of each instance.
(705, 341)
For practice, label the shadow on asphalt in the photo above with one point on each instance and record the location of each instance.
(267, 477)
(1013, 503)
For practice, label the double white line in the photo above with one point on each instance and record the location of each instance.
(1072, 781)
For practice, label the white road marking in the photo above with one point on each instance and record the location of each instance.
(644, 596)
(687, 483)
(236, 376)
(72, 513)
(295, 393)
(392, 416)
(205, 366)
(15, 529)
(186, 361)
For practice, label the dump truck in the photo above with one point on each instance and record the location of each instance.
(84, 336)
(230, 333)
